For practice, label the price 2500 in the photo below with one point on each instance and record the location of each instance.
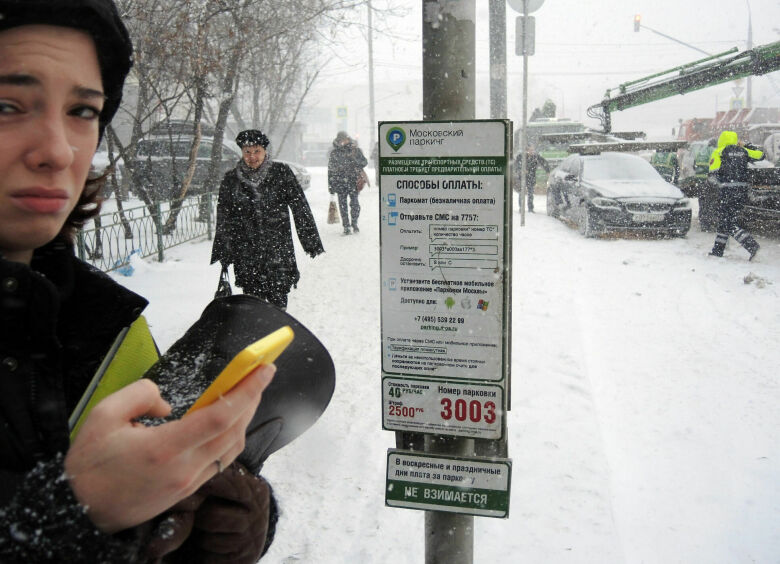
(475, 411)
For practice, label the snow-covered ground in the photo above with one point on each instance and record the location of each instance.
(645, 422)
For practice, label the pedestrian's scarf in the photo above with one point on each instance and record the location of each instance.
(253, 177)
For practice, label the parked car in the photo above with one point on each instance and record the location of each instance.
(161, 163)
(616, 192)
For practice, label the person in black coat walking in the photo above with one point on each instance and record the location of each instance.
(253, 230)
(345, 163)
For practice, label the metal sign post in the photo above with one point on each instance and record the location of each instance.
(527, 45)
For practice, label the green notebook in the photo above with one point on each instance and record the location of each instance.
(132, 354)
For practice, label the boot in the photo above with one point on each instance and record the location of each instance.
(355, 228)
(746, 240)
(347, 230)
(751, 246)
(719, 246)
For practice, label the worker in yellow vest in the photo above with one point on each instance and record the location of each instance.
(729, 171)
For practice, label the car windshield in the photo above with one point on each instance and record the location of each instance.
(618, 167)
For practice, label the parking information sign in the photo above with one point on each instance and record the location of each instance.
(445, 218)
(457, 485)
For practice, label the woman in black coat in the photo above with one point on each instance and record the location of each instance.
(345, 163)
(93, 498)
(253, 223)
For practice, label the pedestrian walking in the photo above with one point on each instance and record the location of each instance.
(729, 173)
(253, 231)
(533, 161)
(345, 165)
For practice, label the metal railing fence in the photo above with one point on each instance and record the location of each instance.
(111, 238)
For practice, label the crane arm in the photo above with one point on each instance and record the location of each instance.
(699, 74)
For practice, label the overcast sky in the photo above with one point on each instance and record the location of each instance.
(582, 48)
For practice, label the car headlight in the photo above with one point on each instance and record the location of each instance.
(600, 202)
(682, 204)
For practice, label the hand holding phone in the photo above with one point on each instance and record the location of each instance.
(264, 351)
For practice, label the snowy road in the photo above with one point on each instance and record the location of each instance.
(645, 424)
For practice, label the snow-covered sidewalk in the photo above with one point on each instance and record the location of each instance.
(644, 426)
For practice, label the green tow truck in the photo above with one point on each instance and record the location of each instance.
(763, 207)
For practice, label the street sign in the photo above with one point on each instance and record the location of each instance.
(341, 112)
(532, 5)
(529, 37)
(444, 408)
(446, 211)
(474, 486)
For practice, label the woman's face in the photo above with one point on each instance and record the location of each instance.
(51, 95)
(254, 155)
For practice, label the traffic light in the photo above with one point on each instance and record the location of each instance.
(637, 19)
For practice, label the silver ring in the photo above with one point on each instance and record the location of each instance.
(219, 466)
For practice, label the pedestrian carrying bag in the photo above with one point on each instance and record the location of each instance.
(333, 210)
(362, 180)
(223, 289)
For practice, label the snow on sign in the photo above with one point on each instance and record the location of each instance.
(445, 218)
(474, 486)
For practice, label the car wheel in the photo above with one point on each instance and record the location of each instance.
(586, 222)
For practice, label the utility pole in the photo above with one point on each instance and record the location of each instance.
(749, 93)
(524, 138)
(449, 83)
(498, 59)
(371, 113)
(449, 88)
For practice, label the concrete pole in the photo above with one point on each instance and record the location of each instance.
(524, 136)
(749, 93)
(449, 88)
(498, 59)
(449, 83)
(371, 108)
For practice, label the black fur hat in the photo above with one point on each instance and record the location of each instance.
(100, 19)
(252, 137)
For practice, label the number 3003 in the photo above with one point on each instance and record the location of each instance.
(474, 410)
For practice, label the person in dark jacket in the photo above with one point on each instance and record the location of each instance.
(729, 171)
(345, 163)
(534, 161)
(95, 499)
(253, 230)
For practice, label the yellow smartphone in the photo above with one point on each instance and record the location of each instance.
(264, 351)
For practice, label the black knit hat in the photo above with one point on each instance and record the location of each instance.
(100, 19)
(252, 137)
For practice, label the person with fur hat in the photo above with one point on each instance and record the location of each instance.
(253, 230)
(93, 499)
(345, 165)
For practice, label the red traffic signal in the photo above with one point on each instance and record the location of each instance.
(637, 20)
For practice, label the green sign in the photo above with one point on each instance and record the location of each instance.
(473, 486)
